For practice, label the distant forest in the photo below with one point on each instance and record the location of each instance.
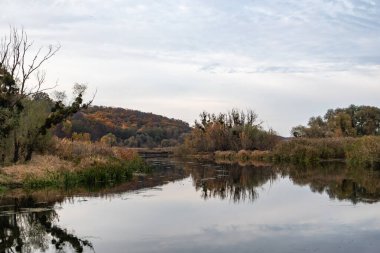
(123, 127)
(353, 121)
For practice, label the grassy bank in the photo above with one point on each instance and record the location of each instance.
(99, 174)
(363, 151)
(72, 164)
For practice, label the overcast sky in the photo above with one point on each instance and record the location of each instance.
(286, 59)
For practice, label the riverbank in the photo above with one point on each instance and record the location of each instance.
(72, 164)
(363, 151)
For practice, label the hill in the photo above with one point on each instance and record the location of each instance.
(130, 127)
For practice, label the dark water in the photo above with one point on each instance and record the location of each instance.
(203, 207)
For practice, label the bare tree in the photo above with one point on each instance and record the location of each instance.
(23, 63)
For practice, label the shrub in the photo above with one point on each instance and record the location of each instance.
(363, 150)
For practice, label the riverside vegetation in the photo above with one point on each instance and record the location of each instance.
(30, 155)
(75, 164)
(348, 134)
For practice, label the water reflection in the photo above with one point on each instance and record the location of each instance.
(28, 219)
(339, 181)
(226, 181)
(27, 226)
(239, 182)
(30, 222)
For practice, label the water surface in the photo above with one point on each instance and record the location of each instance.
(203, 207)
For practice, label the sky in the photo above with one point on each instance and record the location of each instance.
(287, 60)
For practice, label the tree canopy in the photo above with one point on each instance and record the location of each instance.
(342, 122)
(234, 130)
(130, 127)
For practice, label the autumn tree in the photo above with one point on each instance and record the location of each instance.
(342, 122)
(26, 111)
(233, 130)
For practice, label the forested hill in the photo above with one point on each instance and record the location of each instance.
(130, 127)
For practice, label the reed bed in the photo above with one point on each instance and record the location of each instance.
(364, 150)
(100, 174)
(75, 163)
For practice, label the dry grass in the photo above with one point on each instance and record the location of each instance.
(68, 156)
(39, 166)
(69, 150)
(72, 150)
(124, 153)
(363, 150)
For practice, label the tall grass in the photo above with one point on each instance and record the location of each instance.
(98, 174)
(79, 163)
(85, 151)
(363, 150)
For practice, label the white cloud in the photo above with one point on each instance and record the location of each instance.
(287, 59)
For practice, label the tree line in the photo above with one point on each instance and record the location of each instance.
(353, 121)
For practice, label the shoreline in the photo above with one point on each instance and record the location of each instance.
(45, 171)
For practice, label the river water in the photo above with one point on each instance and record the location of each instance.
(192, 206)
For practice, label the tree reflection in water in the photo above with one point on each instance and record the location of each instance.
(240, 182)
(27, 227)
(230, 181)
(339, 181)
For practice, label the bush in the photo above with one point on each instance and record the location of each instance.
(363, 150)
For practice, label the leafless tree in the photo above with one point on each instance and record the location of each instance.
(18, 58)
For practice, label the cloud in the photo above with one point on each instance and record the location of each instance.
(278, 57)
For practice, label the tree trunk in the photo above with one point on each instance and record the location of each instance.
(29, 152)
(16, 154)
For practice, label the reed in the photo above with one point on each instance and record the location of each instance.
(98, 174)
(364, 150)
(75, 163)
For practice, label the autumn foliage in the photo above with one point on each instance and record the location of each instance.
(234, 130)
(124, 127)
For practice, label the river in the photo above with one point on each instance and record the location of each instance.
(193, 206)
